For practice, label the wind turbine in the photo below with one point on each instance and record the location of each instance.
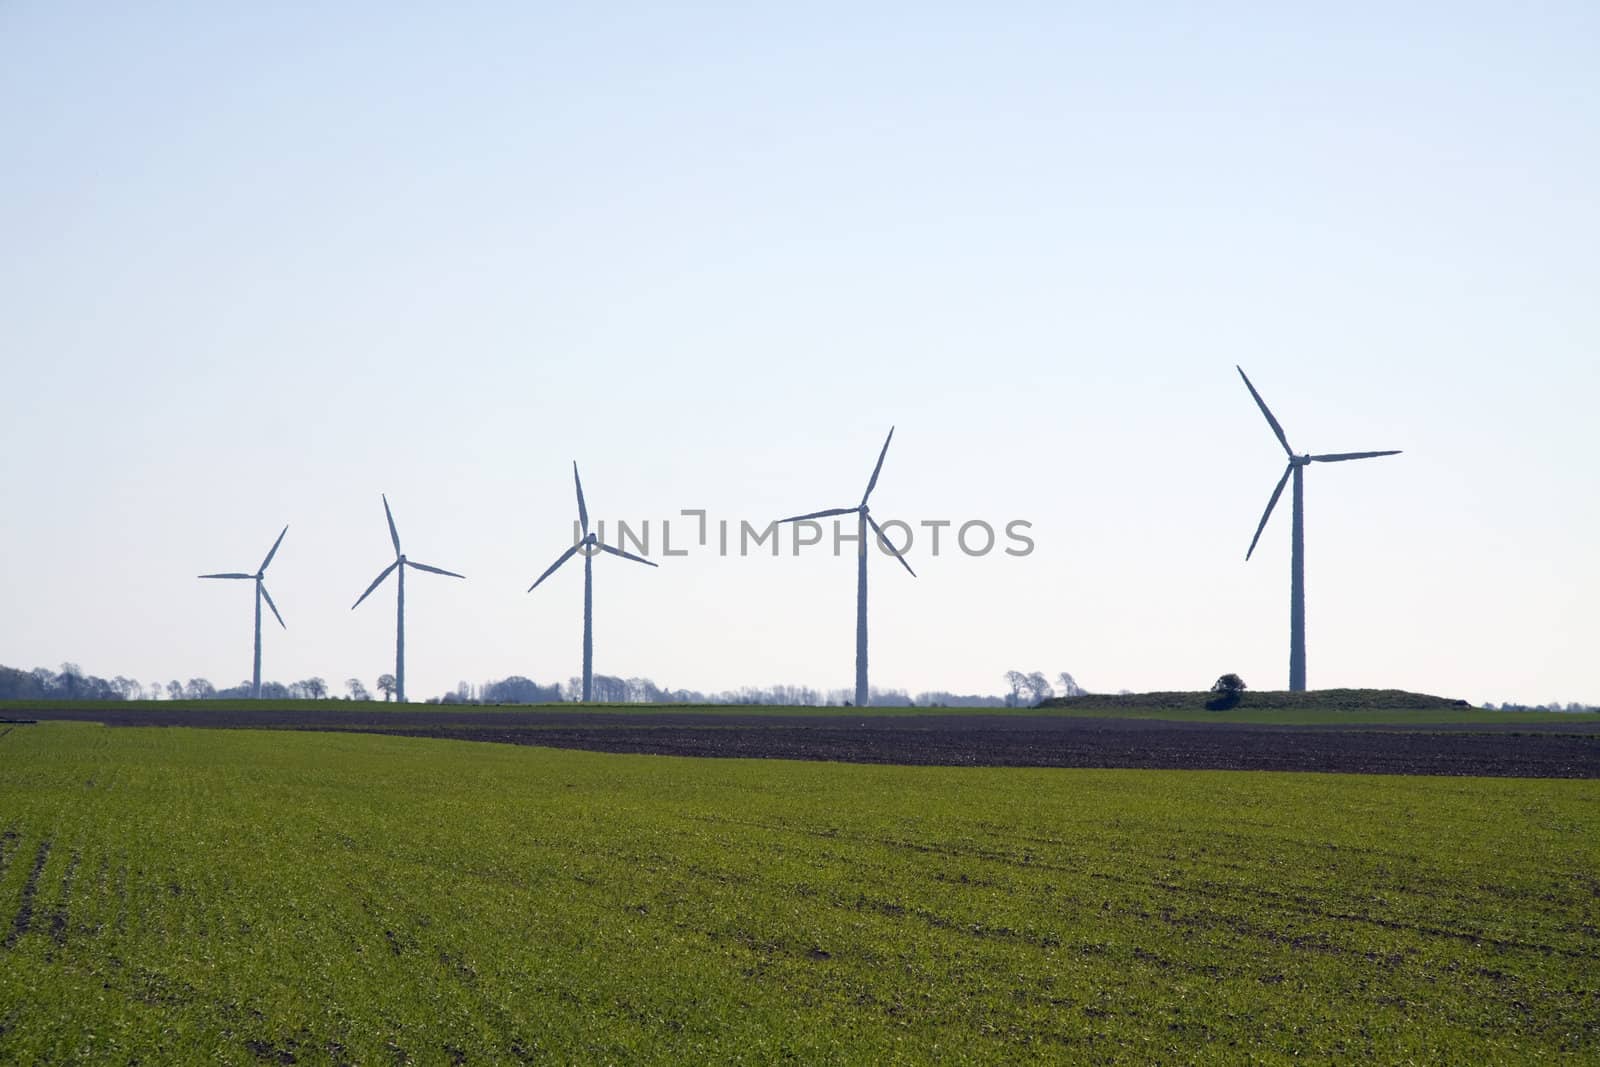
(864, 519)
(261, 594)
(400, 564)
(1297, 562)
(588, 545)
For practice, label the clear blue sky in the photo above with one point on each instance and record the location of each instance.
(258, 265)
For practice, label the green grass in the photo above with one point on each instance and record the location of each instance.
(241, 896)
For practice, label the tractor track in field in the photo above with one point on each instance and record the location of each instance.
(1521, 750)
(23, 920)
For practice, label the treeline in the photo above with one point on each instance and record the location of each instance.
(1554, 705)
(612, 689)
(1028, 688)
(70, 683)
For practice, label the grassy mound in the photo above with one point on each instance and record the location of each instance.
(1269, 700)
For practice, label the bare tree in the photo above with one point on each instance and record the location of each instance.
(199, 689)
(609, 689)
(386, 686)
(1018, 682)
(1039, 687)
(315, 688)
(1070, 686)
(174, 690)
(357, 690)
(70, 680)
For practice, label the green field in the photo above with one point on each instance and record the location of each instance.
(241, 897)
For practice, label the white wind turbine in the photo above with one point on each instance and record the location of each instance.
(261, 594)
(588, 545)
(865, 520)
(400, 564)
(1297, 553)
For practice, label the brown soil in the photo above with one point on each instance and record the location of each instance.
(1547, 750)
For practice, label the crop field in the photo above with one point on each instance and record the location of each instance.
(242, 896)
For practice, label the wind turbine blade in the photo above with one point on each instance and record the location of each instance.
(874, 481)
(432, 570)
(822, 514)
(583, 511)
(548, 571)
(1262, 404)
(274, 607)
(889, 544)
(375, 583)
(1340, 457)
(229, 575)
(272, 553)
(394, 535)
(627, 555)
(1265, 515)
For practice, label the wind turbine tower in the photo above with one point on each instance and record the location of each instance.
(261, 594)
(1297, 555)
(400, 564)
(588, 545)
(864, 519)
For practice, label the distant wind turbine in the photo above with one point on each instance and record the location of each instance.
(1297, 563)
(864, 519)
(588, 545)
(400, 564)
(261, 594)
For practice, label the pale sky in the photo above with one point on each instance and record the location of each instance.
(260, 264)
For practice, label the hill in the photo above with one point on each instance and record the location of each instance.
(1321, 700)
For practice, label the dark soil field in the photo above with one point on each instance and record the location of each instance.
(1525, 750)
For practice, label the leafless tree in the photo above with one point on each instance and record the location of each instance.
(1070, 686)
(386, 686)
(609, 689)
(357, 690)
(1018, 682)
